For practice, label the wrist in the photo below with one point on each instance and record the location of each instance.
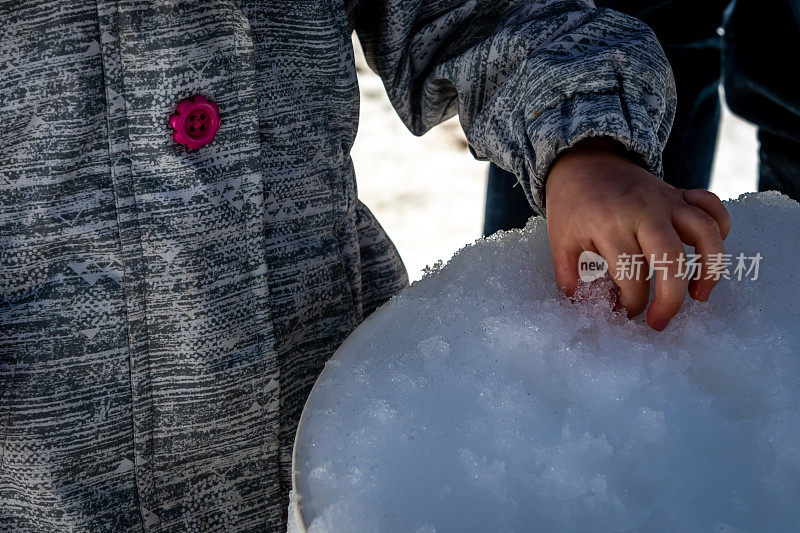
(596, 156)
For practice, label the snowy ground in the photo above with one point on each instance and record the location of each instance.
(428, 192)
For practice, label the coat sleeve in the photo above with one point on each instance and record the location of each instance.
(528, 78)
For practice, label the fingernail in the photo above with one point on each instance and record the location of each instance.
(660, 325)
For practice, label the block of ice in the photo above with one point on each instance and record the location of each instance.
(480, 400)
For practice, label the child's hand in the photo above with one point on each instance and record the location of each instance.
(599, 200)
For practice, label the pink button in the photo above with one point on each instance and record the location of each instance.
(196, 122)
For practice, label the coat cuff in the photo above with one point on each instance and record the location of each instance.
(590, 115)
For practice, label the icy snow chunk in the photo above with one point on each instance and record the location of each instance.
(480, 400)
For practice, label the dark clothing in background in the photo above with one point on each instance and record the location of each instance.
(761, 40)
(757, 85)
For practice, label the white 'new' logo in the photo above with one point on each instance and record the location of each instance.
(591, 266)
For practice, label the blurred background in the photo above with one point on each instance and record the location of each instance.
(428, 192)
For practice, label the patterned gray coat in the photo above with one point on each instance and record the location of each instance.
(164, 312)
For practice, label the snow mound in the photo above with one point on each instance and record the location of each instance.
(479, 400)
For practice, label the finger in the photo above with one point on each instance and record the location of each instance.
(565, 266)
(711, 204)
(662, 248)
(622, 256)
(696, 228)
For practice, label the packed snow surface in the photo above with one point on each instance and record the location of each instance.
(480, 400)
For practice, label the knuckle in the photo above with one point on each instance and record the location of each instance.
(672, 286)
(711, 196)
(703, 194)
(708, 225)
(670, 299)
(672, 255)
